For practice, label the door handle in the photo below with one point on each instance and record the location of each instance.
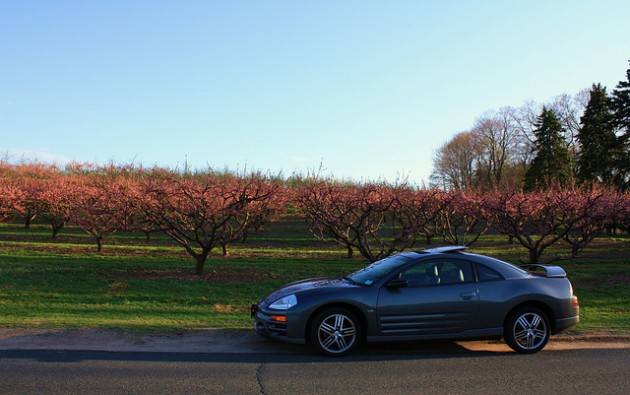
(468, 295)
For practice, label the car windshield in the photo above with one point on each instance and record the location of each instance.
(377, 270)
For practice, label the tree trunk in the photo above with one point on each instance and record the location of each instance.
(99, 244)
(201, 260)
(29, 217)
(56, 229)
(350, 252)
(225, 247)
(200, 263)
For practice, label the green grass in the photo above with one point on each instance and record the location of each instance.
(137, 284)
(603, 289)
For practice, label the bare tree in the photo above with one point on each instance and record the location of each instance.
(455, 162)
(499, 148)
(497, 134)
(569, 109)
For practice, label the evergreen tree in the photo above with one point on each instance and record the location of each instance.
(552, 160)
(598, 143)
(621, 121)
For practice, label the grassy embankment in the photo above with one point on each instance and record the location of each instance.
(148, 285)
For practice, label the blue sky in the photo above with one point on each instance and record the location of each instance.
(367, 89)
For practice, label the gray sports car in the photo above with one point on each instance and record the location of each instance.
(440, 293)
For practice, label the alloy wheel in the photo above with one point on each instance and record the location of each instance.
(336, 333)
(530, 331)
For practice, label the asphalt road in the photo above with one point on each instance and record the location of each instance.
(441, 369)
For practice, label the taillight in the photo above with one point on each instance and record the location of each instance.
(574, 299)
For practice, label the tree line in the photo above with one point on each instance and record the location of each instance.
(201, 211)
(574, 139)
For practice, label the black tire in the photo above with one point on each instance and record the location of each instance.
(527, 330)
(335, 332)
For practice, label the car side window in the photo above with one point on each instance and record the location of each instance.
(455, 272)
(487, 274)
(422, 274)
(438, 272)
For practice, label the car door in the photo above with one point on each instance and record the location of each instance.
(440, 297)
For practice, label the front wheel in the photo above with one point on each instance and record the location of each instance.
(335, 332)
(527, 330)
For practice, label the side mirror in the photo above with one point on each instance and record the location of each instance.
(397, 283)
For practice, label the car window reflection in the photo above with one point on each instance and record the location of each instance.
(442, 272)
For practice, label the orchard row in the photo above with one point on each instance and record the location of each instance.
(203, 211)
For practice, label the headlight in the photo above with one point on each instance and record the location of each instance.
(285, 303)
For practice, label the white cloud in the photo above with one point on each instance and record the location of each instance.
(41, 156)
(302, 159)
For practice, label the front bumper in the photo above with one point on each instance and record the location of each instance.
(265, 326)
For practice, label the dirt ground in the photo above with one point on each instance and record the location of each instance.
(247, 342)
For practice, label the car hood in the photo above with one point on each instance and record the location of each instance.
(306, 285)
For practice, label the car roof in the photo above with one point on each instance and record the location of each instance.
(506, 269)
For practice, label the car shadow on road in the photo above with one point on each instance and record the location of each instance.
(284, 354)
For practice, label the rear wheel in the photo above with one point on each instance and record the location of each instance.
(335, 332)
(527, 330)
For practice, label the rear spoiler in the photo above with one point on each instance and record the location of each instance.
(550, 271)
